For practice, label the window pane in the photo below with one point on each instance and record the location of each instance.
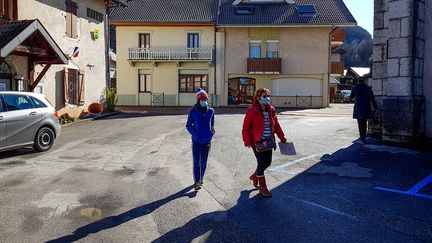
(273, 54)
(38, 103)
(204, 82)
(183, 83)
(272, 50)
(189, 44)
(147, 82)
(147, 41)
(255, 50)
(144, 41)
(17, 102)
(193, 41)
(142, 82)
(197, 81)
(196, 41)
(190, 84)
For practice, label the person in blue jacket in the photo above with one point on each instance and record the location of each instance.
(364, 100)
(200, 125)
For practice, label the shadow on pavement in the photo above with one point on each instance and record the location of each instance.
(17, 152)
(114, 221)
(335, 200)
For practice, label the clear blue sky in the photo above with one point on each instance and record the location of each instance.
(363, 12)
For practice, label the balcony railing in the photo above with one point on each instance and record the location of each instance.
(337, 68)
(338, 35)
(264, 65)
(170, 54)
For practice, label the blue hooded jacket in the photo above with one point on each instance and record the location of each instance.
(364, 98)
(200, 124)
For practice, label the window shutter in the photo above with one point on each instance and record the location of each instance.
(10, 9)
(81, 93)
(2, 8)
(15, 10)
(74, 29)
(68, 19)
(65, 86)
(71, 19)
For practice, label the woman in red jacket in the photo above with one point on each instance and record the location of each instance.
(261, 124)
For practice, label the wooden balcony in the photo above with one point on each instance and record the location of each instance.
(337, 68)
(264, 65)
(170, 54)
(338, 36)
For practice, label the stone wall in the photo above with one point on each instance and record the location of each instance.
(398, 68)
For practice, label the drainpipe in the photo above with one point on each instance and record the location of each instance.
(334, 28)
(107, 44)
(418, 114)
(214, 63)
(414, 46)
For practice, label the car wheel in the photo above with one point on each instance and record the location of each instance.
(44, 139)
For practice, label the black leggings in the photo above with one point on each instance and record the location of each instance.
(264, 160)
(362, 126)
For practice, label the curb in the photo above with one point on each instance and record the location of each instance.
(90, 119)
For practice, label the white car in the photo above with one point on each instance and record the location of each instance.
(27, 119)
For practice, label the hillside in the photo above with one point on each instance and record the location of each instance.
(357, 47)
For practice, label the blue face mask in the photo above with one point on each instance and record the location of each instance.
(203, 103)
(265, 100)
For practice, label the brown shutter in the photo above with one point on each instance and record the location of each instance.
(81, 93)
(2, 8)
(74, 22)
(71, 19)
(9, 10)
(68, 20)
(15, 10)
(65, 85)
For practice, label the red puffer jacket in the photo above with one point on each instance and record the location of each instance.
(253, 125)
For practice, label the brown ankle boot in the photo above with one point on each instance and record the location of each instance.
(254, 180)
(263, 191)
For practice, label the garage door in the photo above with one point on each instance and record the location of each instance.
(296, 86)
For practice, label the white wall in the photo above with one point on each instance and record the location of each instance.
(92, 52)
(296, 86)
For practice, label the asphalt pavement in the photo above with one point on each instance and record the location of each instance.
(127, 178)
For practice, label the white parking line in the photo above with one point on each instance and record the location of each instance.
(277, 168)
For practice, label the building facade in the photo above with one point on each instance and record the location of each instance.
(76, 30)
(401, 69)
(162, 60)
(231, 48)
(281, 45)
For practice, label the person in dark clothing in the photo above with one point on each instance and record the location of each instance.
(364, 99)
(261, 123)
(200, 125)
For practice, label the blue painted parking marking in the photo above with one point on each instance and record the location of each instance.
(413, 191)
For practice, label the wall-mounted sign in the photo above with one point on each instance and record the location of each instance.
(95, 34)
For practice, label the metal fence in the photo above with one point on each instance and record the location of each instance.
(298, 101)
(158, 99)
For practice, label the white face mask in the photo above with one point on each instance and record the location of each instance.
(203, 103)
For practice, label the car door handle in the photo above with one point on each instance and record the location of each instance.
(1, 118)
(33, 113)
